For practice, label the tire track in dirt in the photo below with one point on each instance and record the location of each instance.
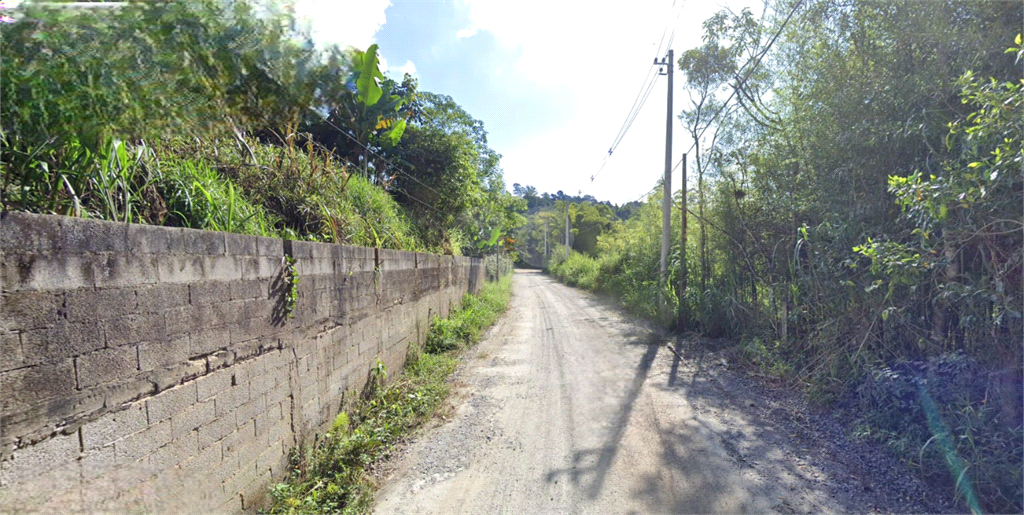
(568, 406)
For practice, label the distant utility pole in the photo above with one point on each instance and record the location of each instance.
(666, 201)
(567, 231)
(545, 243)
(682, 252)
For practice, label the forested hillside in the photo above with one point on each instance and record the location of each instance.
(223, 116)
(854, 222)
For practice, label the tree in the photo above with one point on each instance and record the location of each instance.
(451, 179)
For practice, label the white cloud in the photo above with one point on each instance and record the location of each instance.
(409, 67)
(466, 32)
(595, 58)
(383, 64)
(342, 23)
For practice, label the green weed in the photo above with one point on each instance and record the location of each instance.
(330, 475)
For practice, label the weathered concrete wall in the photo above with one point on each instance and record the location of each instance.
(155, 369)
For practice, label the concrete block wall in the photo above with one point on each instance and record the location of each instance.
(157, 369)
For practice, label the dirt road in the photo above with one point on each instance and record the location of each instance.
(568, 406)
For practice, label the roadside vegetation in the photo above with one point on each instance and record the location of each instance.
(332, 474)
(854, 224)
(222, 116)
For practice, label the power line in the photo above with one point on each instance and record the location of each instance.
(641, 98)
(757, 61)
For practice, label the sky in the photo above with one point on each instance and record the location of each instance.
(553, 81)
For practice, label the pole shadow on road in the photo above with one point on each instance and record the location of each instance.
(606, 453)
(712, 457)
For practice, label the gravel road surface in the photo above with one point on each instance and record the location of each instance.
(569, 406)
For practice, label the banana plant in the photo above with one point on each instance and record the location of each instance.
(375, 113)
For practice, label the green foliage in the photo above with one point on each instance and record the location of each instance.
(197, 196)
(113, 113)
(579, 270)
(318, 197)
(451, 179)
(291, 278)
(463, 325)
(330, 476)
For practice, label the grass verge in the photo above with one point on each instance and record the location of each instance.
(332, 474)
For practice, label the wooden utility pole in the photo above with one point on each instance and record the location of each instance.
(682, 252)
(567, 231)
(666, 203)
(545, 243)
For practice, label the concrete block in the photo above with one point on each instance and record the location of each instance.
(116, 270)
(125, 392)
(234, 484)
(170, 402)
(181, 269)
(246, 370)
(159, 297)
(358, 259)
(209, 292)
(247, 412)
(46, 272)
(31, 309)
(281, 430)
(316, 266)
(235, 442)
(246, 289)
(223, 268)
(247, 349)
(40, 419)
(178, 320)
(60, 341)
(272, 247)
(216, 430)
(141, 444)
(262, 383)
(249, 329)
(226, 401)
(114, 426)
(107, 366)
(93, 305)
(172, 350)
(270, 459)
(240, 244)
(299, 249)
(191, 418)
(213, 383)
(27, 386)
(97, 462)
(259, 309)
(261, 267)
(129, 329)
(83, 235)
(262, 423)
(11, 355)
(57, 452)
(255, 494)
(208, 340)
(207, 459)
(177, 451)
(203, 242)
(249, 450)
(29, 233)
(152, 239)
